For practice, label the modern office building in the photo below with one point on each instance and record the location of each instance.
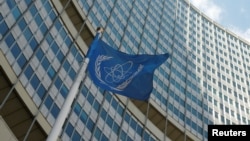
(43, 44)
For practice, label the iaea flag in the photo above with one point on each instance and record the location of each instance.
(121, 73)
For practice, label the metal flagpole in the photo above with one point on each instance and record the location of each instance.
(57, 127)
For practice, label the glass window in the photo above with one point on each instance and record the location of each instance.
(28, 1)
(54, 47)
(51, 72)
(58, 83)
(146, 136)
(15, 50)
(90, 98)
(43, 28)
(90, 124)
(123, 136)
(133, 123)
(96, 105)
(60, 56)
(115, 128)
(45, 63)
(77, 109)
(114, 103)
(41, 91)
(40, 54)
(38, 19)
(66, 65)
(64, 91)
(108, 97)
(63, 33)
(16, 13)
(9, 39)
(68, 41)
(104, 138)
(73, 50)
(55, 111)
(83, 116)
(3, 28)
(127, 117)
(22, 61)
(48, 7)
(69, 129)
(35, 81)
(33, 44)
(76, 136)
(22, 24)
(48, 102)
(49, 38)
(79, 57)
(84, 91)
(139, 129)
(120, 109)
(72, 73)
(181, 116)
(33, 10)
(188, 121)
(97, 133)
(28, 72)
(52, 16)
(28, 34)
(109, 121)
(103, 114)
(11, 3)
(58, 25)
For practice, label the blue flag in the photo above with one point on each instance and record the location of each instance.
(121, 73)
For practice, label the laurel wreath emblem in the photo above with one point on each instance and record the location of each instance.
(122, 86)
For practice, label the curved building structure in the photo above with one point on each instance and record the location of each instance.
(43, 43)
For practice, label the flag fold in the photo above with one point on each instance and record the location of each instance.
(121, 73)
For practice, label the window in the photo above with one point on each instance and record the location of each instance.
(22, 61)
(9, 39)
(115, 128)
(84, 116)
(76, 136)
(103, 114)
(55, 111)
(22, 24)
(15, 50)
(39, 56)
(69, 129)
(45, 63)
(28, 34)
(51, 72)
(96, 105)
(28, 72)
(33, 44)
(38, 19)
(90, 98)
(41, 91)
(64, 91)
(90, 124)
(72, 74)
(35, 81)
(48, 102)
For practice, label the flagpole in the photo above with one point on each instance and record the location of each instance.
(57, 127)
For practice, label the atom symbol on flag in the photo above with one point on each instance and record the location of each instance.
(118, 72)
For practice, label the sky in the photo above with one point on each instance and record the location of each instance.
(234, 15)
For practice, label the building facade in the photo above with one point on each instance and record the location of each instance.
(43, 43)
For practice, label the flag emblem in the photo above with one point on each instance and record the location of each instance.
(121, 74)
